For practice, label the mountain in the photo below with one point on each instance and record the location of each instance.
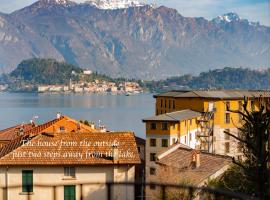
(227, 78)
(19, 41)
(114, 4)
(138, 41)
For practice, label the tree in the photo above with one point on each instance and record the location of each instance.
(254, 138)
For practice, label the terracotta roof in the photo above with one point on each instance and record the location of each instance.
(175, 116)
(69, 125)
(14, 132)
(10, 146)
(216, 94)
(54, 125)
(52, 153)
(178, 162)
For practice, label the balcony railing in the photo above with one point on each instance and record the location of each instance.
(162, 192)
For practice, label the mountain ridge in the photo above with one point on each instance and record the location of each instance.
(137, 42)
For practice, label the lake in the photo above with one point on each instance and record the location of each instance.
(116, 112)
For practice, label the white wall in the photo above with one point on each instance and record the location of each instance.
(55, 176)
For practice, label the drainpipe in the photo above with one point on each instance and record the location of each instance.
(6, 183)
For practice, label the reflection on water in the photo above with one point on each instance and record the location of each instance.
(116, 112)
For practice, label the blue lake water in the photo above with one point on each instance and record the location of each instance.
(118, 113)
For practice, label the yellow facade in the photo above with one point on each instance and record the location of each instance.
(174, 128)
(170, 104)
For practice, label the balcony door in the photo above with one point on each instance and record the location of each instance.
(69, 192)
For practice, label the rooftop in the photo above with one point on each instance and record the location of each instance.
(68, 124)
(74, 149)
(15, 131)
(65, 122)
(175, 116)
(216, 94)
(178, 161)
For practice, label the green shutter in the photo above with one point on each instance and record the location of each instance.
(27, 181)
(69, 192)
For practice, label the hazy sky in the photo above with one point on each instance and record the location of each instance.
(253, 10)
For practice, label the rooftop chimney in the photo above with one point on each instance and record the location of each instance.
(115, 154)
(58, 115)
(196, 159)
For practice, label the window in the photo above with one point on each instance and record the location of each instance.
(227, 147)
(252, 105)
(173, 140)
(164, 143)
(173, 104)
(62, 128)
(27, 181)
(152, 171)
(152, 187)
(161, 103)
(157, 112)
(153, 126)
(69, 192)
(190, 137)
(227, 106)
(69, 172)
(169, 104)
(165, 103)
(152, 157)
(227, 118)
(226, 136)
(240, 118)
(240, 105)
(190, 122)
(185, 139)
(153, 142)
(139, 149)
(164, 126)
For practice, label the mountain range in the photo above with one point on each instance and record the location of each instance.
(125, 38)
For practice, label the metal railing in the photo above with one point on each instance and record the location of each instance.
(161, 192)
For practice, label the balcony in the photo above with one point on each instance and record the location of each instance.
(157, 191)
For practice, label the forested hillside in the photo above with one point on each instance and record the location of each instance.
(227, 78)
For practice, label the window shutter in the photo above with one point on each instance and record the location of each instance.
(27, 181)
(69, 192)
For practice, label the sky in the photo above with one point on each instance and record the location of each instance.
(253, 10)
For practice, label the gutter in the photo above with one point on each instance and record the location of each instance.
(6, 183)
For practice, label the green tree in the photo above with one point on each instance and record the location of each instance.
(251, 175)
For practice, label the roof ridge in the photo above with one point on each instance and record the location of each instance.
(45, 125)
(195, 92)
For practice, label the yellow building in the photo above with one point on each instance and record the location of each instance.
(167, 129)
(213, 117)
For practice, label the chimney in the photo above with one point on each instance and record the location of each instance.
(58, 115)
(196, 159)
(115, 154)
(92, 125)
(21, 130)
(78, 126)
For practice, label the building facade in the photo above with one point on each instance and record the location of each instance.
(69, 166)
(207, 129)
